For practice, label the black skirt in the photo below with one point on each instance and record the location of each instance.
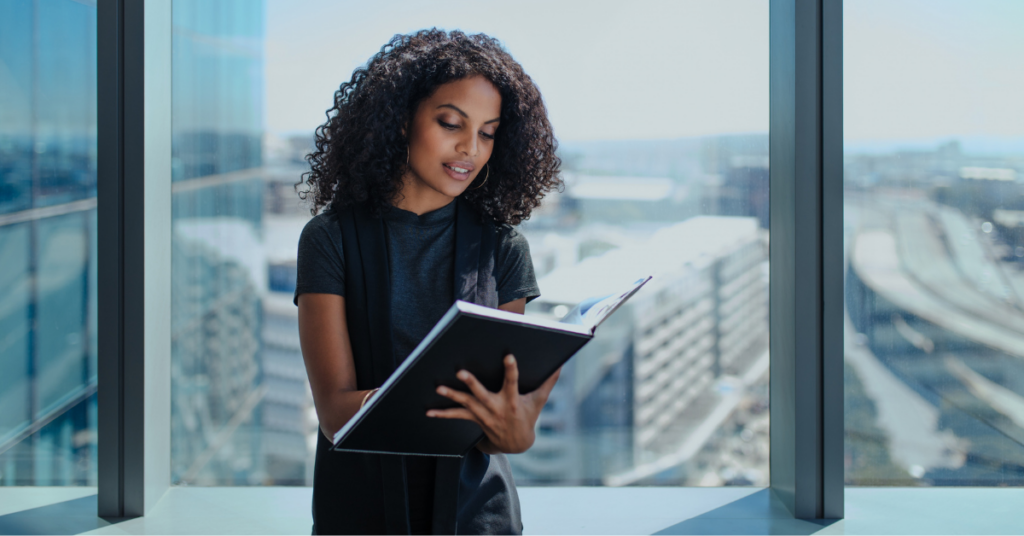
(349, 495)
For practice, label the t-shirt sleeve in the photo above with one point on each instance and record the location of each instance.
(516, 278)
(320, 267)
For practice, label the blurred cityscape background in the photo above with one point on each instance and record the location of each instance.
(673, 391)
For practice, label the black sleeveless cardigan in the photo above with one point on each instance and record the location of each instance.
(356, 493)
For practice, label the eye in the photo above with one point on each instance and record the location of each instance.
(487, 136)
(447, 126)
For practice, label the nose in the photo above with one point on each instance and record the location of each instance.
(468, 144)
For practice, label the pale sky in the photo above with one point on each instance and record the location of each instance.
(677, 68)
(607, 70)
(933, 68)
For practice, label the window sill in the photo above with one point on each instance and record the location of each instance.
(279, 510)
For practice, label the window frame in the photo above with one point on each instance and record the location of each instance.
(134, 254)
(805, 260)
(806, 256)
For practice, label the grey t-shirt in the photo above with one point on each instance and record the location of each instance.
(421, 254)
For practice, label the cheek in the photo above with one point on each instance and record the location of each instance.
(426, 146)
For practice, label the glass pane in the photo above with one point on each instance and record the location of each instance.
(665, 156)
(16, 126)
(934, 177)
(15, 325)
(65, 111)
(218, 273)
(48, 243)
(61, 340)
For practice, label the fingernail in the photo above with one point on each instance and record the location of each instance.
(430, 414)
(510, 359)
(462, 375)
(442, 390)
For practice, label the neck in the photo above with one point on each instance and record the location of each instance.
(420, 199)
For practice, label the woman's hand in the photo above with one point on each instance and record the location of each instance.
(507, 417)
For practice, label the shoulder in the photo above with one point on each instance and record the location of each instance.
(511, 249)
(509, 238)
(323, 226)
(506, 238)
(513, 266)
(320, 265)
(320, 240)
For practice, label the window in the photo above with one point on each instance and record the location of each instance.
(220, 387)
(934, 177)
(48, 243)
(665, 155)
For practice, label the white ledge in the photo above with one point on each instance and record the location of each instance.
(564, 510)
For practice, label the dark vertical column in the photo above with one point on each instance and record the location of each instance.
(133, 267)
(806, 256)
(134, 254)
(833, 477)
(110, 246)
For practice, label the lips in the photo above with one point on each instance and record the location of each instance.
(458, 170)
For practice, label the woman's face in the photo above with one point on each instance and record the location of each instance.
(450, 139)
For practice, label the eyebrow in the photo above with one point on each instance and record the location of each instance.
(463, 114)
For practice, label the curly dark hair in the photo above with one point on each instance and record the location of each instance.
(360, 154)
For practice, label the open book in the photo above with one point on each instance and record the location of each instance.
(591, 312)
(474, 338)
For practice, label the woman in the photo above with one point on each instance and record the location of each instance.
(430, 155)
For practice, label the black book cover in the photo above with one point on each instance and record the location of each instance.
(477, 339)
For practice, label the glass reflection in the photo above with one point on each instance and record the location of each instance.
(218, 272)
(934, 249)
(48, 243)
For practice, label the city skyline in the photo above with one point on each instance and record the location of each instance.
(942, 215)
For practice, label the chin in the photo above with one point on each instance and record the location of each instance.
(451, 188)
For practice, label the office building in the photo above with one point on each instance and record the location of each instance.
(219, 274)
(647, 393)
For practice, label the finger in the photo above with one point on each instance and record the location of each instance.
(482, 415)
(545, 388)
(465, 399)
(511, 387)
(453, 413)
(553, 379)
(482, 394)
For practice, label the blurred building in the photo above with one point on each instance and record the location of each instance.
(622, 199)
(941, 315)
(667, 369)
(48, 334)
(289, 421)
(290, 424)
(219, 274)
(744, 190)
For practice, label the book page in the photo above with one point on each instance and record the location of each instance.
(592, 311)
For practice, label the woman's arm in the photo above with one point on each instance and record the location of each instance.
(327, 352)
(514, 306)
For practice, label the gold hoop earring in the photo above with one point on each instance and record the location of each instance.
(488, 174)
(407, 156)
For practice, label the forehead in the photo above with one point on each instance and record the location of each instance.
(476, 96)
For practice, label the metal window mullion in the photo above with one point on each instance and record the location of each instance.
(109, 37)
(806, 256)
(833, 305)
(133, 49)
